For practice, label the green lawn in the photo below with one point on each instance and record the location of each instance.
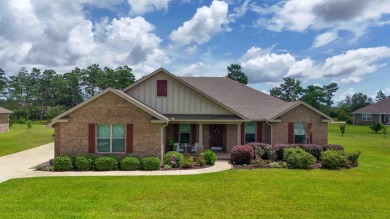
(20, 138)
(363, 192)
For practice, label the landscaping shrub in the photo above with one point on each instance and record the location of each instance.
(279, 148)
(168, 156)
(150, 163)
(353, 158)
(201, 161)
(62, 163)
(298, 158)
(210, 157)
(259, 150)
(270, 153)
(333, 159)
(313, 149)
(242, 154)
(106, 163)
(333, 147)
(187, 162)
(83, 163)
(29, 124)
(130, 163)
(376, 127)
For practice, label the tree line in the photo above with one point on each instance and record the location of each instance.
(38, 94)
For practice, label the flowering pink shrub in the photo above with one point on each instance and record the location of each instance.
(242, 154)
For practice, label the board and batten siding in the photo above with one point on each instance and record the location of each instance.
(180, 98)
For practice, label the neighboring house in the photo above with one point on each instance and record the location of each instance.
(215, 112)
(4, 120)
(377, 112)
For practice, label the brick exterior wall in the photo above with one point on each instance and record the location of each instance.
(266, 133)
(357, 119)
(304, 115)
(231, 138)
(72, 136)
(4, 125)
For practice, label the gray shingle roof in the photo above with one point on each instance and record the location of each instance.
(2, 110)
(382, 106)
(251, 103)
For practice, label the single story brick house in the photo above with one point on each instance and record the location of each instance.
(4, 120)
(214, 112)
(378, 112)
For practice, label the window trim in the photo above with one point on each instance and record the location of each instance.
(110, 138)
(305, 135)
(255, 132)
(366, 117)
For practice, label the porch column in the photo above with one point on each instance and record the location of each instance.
(200, 140)
(238, 134)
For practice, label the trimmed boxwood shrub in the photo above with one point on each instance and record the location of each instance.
(168, 155)
(106, 163)
(333, 147)
(333, 159)
(187, 162)
(298, 158)
(62, 163)
(242, 154)
(210, 157)
(353, 158)
(130, 163)
(83, 163)
(151, 163)
(279, 148)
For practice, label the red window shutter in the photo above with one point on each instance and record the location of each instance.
(176, 132)
(91, 138)
(129, 138)
(243, 133)
(193, 133)
(259, 130)
(291, 133)
(162, 86)
(310, 132)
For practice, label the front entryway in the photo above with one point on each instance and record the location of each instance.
(216, 136)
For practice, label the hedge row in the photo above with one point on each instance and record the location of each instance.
(104, 163)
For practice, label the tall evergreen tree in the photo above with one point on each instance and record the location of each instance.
(235, 73)
(380, 96)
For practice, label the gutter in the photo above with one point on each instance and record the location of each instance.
(162, 141)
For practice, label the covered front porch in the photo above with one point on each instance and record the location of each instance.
(385, 119)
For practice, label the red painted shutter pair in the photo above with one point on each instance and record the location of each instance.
(243, 133)
(291, 133)
(259, 130)
(193, 133)
(92, 138)
(162, 87)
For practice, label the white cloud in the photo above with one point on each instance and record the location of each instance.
(324, 39)
(194, 70)
(343, 95)
(203, 26)
(239, 11)
(138, 7)
(60, 36)
(335, 15)
(263, 66)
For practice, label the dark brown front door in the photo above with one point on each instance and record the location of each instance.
(216, 135)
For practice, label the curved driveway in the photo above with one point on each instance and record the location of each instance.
(21, 165)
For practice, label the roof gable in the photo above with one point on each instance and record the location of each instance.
(3, 110)
(288, 106)
(119, 93)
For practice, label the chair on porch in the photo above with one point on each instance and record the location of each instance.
(178, 147)
(195, 147)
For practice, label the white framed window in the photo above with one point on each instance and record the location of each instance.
(299, 133)
(366, 117)
(111, 138)
(250, 132)
(185, 133)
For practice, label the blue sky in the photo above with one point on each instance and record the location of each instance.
(316, 41)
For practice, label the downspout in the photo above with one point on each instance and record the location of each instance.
(162, 141)
(271, 129)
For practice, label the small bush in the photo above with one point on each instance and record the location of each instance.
(241, 154)
(130, 163)
(333, 147)
(342, 129)
(29, 124)
(376, 127)
(62, 163)
(150, 163)
(313, 149)
(279, 148)
(298, 158)
(187, 162)
(106, 163)
(201, 161)
(210, 157)
(333, 159)
(168, 157)
(259, 149)
(353, 158)
(270, 153)
(83, 163)
(22, 120)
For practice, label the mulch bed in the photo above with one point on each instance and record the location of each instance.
(317, 165)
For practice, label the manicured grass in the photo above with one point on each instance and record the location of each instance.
(20, 138)
(362, 192)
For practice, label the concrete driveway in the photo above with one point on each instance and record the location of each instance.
(22, 163)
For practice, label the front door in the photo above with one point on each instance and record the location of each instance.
(216, 136)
